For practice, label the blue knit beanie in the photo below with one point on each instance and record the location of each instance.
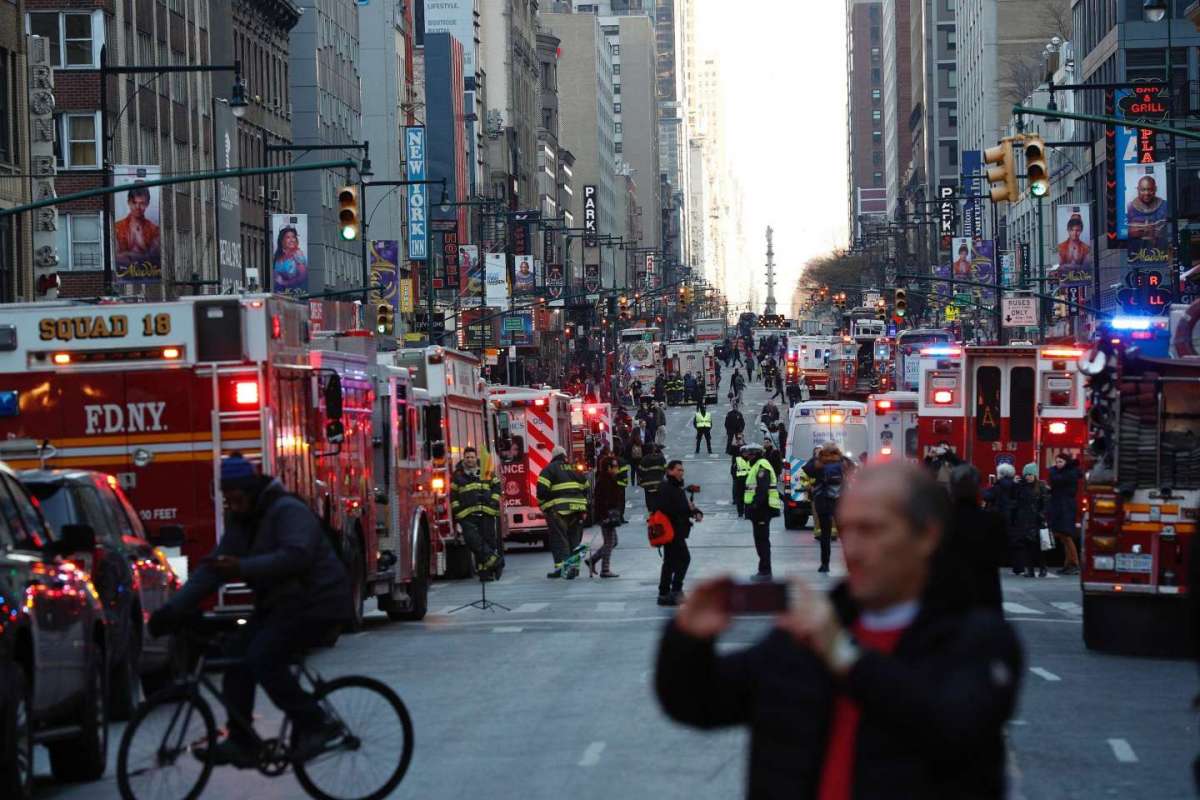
(237, 473)
(1030, 469)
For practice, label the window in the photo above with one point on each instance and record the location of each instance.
(876, 95)
(76, 144)
(8, 118)
(616, 49)
(616, 69)
(616, 88)
(877, 137)
(70, 36)
(21, 518)
(987, 404)
(616, 108)
(617, 127)
(79, 241)
(875, 75)
(875, 115)
(1020, 404)
(877, 180)
(876, 158)
(620, 148)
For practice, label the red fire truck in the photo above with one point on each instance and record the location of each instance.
(527, 425)
(995, 404)
(1142, 494)
(591, 426)
(158, 393)
(455, 419)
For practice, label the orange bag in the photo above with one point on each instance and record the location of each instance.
(659, 529)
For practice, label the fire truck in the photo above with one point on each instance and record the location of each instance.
(859, 363)
(527, 424)
(684, 357)
(1011, 404)
(1142, 496)
(157, 393)
(591, 427)
(455, 418)
(892, 426)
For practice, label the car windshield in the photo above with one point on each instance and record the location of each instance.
(55, 501)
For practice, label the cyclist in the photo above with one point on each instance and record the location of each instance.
(274, 543)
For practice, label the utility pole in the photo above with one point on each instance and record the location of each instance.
(769, 306)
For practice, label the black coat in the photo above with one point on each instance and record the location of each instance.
(735, 423)
(608, 498)
(933, 713)
(975, 546)
(1029, 510)
(672, 501)
(1064, 500)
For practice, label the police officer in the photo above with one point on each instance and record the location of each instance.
(650, 475)
(475, 503)
(562, 496)
(703, 425)
(763, 504)
(739, 468)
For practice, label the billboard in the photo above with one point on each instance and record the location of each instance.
(1145, 214)
(591, 277)
(524, 276)
(556, 281)
(974, 260)
(495, 267)
(289, 259)
(1073, 232)
(972, 213)
(137, 237)
(385, 262)
(229, 201)
(456, 17)
(418, 199)
(471, 274)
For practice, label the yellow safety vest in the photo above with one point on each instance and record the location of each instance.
(741, 467)
(773, 498)
(703, 420)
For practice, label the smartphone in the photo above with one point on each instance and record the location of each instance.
(756, 597)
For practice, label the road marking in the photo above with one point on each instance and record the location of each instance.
(1017, 722)
(1017, 608)
(1045, 673)
(1070, 608)
(529, 608)
(1122, 751)
(508, 629)
(611, 607)
(591, 754)
(724, 502)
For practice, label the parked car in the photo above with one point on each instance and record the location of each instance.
(52, 648)
(132, 577)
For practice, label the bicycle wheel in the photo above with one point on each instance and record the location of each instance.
(373, 755)
(156, 758)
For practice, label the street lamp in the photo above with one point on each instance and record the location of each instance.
(1154, 10)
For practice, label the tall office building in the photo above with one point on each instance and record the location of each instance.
(897, 94)
(864, 107)
(508, 54)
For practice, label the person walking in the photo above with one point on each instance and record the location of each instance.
(654, 467)
(737, 385)
(660, 425)
(739, 468)
(828, 471)
(672, 501)
(887, 687)
(793, 393)
(1001, 498)
(1029, 517)
(702, 422)
(975, 540)
(762, 504)
(1061, 513)
(475, 504)
(773, 455)
(562, 497)
(608, 508)
(776, 382)
(689, 388)
(735, 423)
(635, 450)
(770, 412)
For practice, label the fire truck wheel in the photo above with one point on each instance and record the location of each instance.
(458, 562)
(358, 579)
(418, 589)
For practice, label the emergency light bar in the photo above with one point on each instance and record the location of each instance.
(65, 358)
(1062, 352)
(943, 397)
(10, 404)
(1130, 323)
(246, 393)
(884, 405)
(942, 350)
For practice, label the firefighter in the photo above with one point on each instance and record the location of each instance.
(562, 496)
(654, 467)
(475, 504)
(762, 504)
(702, 422)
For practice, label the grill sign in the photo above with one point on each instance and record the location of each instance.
(67, 328)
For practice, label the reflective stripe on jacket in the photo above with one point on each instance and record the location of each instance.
(651, 472)
(703, 420)
(622, 473)
(561, 489)
(474, 494)
(773, 498)
(741, 467)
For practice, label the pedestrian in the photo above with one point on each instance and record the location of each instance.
(773, 455)
(475, 504)
(762, 503)
(634, 450)
(608, 508)
(885, 688)
(1064, 503)
(649, 416)
(689, 388)
(828, 470)
(1029, 517)
(735, 423)
(717, 372)
(941, 461)
(702, 422)
(738, 385)
(674, 503)
(562, 497)
(975, 540)
(738, 469)
(781, 433)
(1001, 498)
(770, 412)
(654, 467)
(793, 393)
(660, 389)
(660, 425)
(776, 382)
(750, 367)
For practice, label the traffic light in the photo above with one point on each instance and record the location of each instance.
(1035, 166)
(385, 319)
(900, 305)
(349, 221)
(1003, 173)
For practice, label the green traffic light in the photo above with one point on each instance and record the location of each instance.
(349, 232)
(1038, 188)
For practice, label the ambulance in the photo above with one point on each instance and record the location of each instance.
(526, 424)
(157, 393)
(808, 361)
(892, 427)
(685, 357)
(811, 424)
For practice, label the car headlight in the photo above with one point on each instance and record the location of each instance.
(1106, 563)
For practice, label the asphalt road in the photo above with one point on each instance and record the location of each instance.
(553, 697)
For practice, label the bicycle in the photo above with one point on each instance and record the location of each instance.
(159, 748)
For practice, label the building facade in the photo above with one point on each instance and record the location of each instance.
(635, 122)
(864, 107)
(16, 274)
(897, 94)
(508, 53)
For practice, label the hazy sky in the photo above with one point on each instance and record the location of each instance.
(784, 69)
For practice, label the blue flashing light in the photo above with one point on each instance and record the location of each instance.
(1131, 323)
(9, 403)
(943, 350)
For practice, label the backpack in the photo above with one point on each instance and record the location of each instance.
(659, 529)
(332, 536)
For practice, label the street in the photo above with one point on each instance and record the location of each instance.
(554, 697)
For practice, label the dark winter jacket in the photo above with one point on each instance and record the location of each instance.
(1000, 498)
(829, 480)
(1029, 510)
(1064, 500)
(285, 557)
(735, 423)
(651, 471)
(975, 545)
(672, 501)
(607, 498)
(933, 713)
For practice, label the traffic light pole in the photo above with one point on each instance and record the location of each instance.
(1041, 271)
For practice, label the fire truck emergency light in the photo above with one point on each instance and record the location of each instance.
(1130, 323)
(1058, 428)
(10, 404)
(62, 359)
(170, 353)
(885, 451)
(941, 351)
(245, 393)
(884, 405)
(943, 397)
(1062, 352)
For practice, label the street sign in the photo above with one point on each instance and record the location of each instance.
(1019, 312)
(514, 324)
(963, 299)
(871, 297)
(527, 216)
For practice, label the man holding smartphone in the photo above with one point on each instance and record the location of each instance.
(887, 687)
(672, 501)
